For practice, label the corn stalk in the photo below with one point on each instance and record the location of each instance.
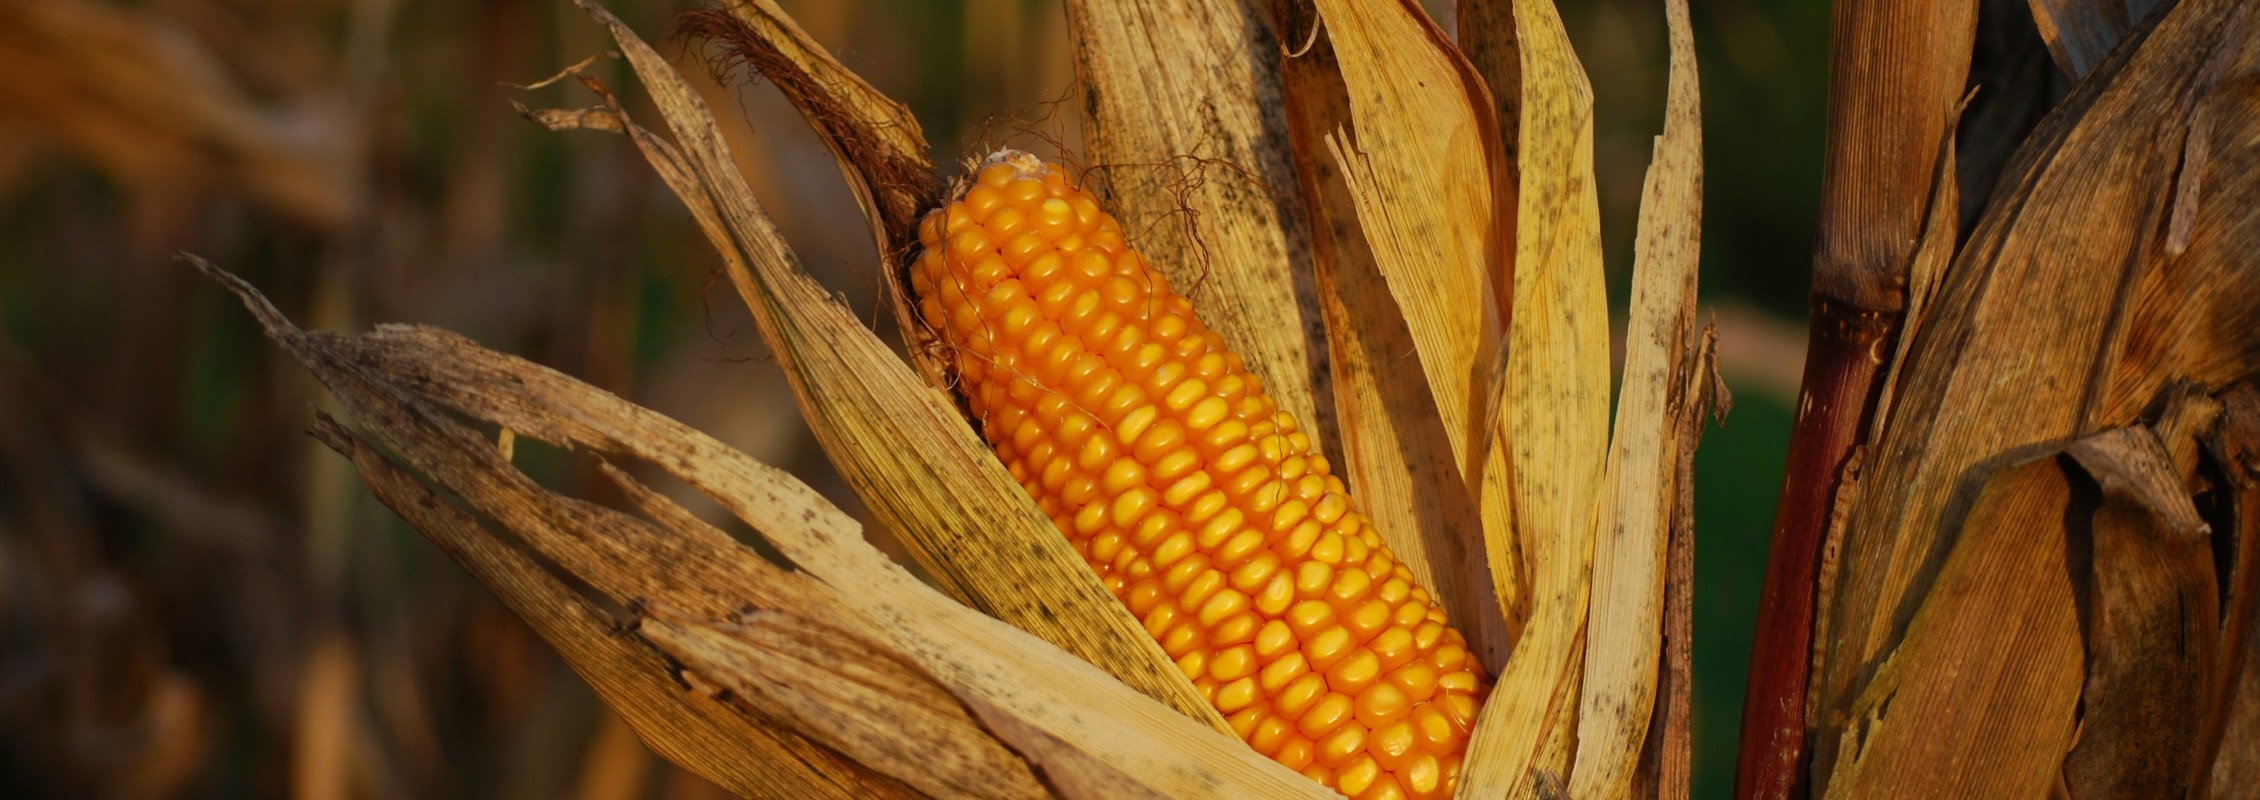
(2010, 546)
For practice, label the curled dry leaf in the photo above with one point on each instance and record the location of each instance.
(2153, 619)
(1397, 455)
(2064, 315)
(707, 670)
(900, 443)
(2096, 558)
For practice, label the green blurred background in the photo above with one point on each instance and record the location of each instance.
(198, 601)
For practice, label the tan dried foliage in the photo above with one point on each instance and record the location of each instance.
(758, 676)
(888, 432)
(1397, 454)
(1659, 411)
(1459, 312)
(2005, 621)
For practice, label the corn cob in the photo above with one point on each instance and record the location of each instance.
(1195, 499)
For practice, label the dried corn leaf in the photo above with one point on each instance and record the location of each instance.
(1655, 409)
(1185, 132)
(719, 670)
(2081, 219)
(1425, 168)
(2132, 543)
(856, 698)
(1396, 454)
(877, 142)
(900, 443)
(1983, 697)
(2152, 620)
(710, 737)
(1555, 407)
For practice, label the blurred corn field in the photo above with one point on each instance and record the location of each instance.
(197, 599)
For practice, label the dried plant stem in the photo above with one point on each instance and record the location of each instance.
(1898, 67)
(1832, 412)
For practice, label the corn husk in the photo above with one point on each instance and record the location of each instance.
(1185, 139)
(749, 673)
(1555, 418)
(889, 433)
(1659, 412)
(1398, 450)
(1459, 313)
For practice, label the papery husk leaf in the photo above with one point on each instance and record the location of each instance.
(1555, 409)
(704, 734)
(1640, 500)
(879, 146)
(986, 708)
(1396, 454)
(2081, 33)
(1185, 139)
(902, 444)
(724, 744)
(1426, 170)
(2082, 219)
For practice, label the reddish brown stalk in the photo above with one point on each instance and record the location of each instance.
(1898, 71)
(1841, 369)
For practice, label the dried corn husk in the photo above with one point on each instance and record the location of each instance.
(722, 651)
(1482, 445)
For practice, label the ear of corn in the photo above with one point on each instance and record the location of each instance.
(1198, 503)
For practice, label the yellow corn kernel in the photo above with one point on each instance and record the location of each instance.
(1196, 500)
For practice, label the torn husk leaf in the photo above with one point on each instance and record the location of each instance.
(1985, 695)
(900, 443)
(725, 619)
(1397, 456)
(876, 141)
(1423, 164)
